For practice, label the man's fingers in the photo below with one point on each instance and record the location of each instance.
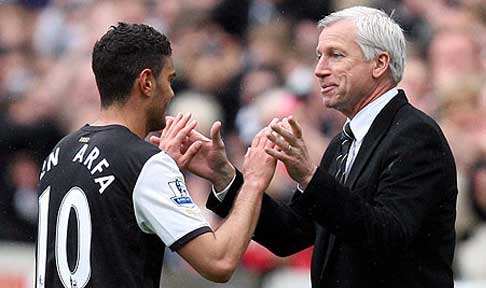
(154, 140)
(168, 123)
(257, 139)
(279, 142)
(190, 153)
(216, 133)
(169, 120)
(168, 129)
(197, 136)
(286, 134)
(273, 122)
(264, 142)
(268, 143)
(275, 154)
(296, 129)
(182, 123)
(179, 123)
(183, 134)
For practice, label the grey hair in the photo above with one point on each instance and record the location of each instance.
(376, 32)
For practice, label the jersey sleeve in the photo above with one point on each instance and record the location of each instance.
(162, 204)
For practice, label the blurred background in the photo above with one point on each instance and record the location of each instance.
(243, 62)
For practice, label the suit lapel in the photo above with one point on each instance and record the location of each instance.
(377, 131)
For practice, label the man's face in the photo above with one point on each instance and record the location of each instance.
(344, 76)
(162, 97)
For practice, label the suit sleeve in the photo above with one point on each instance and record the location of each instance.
(279, 228)
(413, 179)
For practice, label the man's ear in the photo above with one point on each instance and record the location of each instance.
(146, 82)
(381, 64)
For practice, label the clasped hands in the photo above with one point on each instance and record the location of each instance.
(206, 157)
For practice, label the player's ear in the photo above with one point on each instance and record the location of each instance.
(146, 82)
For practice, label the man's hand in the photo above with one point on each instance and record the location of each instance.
(210, 161)
(259, 167)
(291, 150)
(174, 137)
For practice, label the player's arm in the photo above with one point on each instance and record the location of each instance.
(216, 255)
(163, 207)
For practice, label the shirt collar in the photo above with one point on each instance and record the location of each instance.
(361, 122)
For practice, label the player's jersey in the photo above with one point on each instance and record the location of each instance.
(109, 203)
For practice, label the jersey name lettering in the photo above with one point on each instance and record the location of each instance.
(51, 161)
(89, 160)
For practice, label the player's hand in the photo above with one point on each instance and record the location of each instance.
(210, 161)
(290, 148)
(174, 139)
(259, 167)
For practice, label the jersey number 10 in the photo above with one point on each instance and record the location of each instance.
(75, 199)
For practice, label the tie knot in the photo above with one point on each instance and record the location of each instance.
(347, 132)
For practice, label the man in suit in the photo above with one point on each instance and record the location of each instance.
(380, 207)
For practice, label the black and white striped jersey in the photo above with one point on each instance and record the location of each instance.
(109, 203)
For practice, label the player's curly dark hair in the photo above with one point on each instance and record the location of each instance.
(121, 54)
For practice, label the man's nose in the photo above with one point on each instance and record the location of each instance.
(322, 68)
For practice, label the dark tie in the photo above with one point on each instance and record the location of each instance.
(347, 138)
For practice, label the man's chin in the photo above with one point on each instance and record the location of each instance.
(331, 100)
(328, 103)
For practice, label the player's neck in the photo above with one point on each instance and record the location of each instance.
(124, 116)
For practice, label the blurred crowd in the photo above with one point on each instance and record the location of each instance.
(243, 62)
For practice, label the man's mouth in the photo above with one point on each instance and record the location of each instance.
(327, 88)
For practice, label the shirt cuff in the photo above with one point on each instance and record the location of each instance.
(220, 195)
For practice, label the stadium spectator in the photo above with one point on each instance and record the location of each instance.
(471, 266)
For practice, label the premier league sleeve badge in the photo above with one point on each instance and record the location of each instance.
(181, 196)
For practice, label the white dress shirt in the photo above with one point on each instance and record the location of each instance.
(361, 123)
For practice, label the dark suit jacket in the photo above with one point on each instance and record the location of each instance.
(391, 225)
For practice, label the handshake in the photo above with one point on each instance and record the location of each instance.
(216, 255)
(206, 157)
